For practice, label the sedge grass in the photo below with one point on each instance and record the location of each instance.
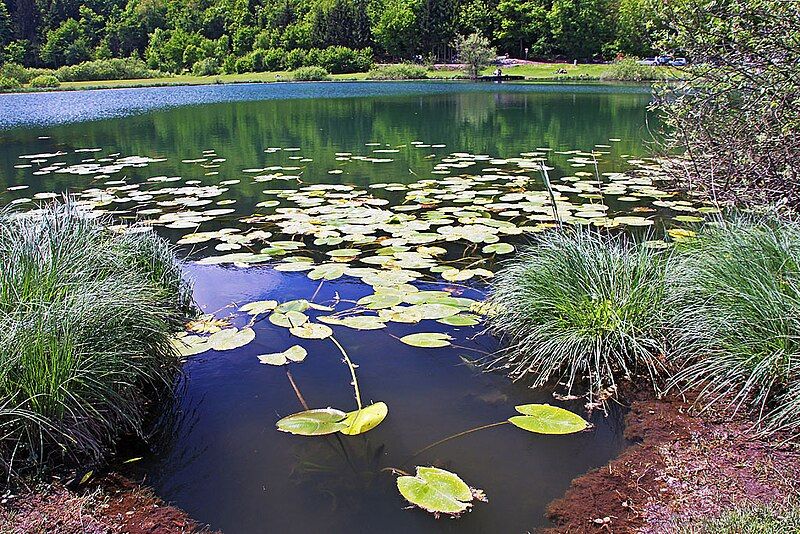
(738, 331)
(86, 317)
(583, 309)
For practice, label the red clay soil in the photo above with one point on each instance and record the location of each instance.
(112, 505)
(684, 467)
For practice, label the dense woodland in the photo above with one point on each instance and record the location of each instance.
(244, 35)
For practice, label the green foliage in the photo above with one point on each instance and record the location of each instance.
(582, 309)
(206, 67)
(738, 291)
(398, 72)
(66, 45)
(737, 114)
(86, 319)
(45, 81)
(475, 52)
(628, 70)
(395, 28)
(579, 28)
(7, 84)
(310, 74)
(749, 519)
(106, 69)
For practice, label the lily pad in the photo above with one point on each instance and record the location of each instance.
(317, 422)
(365, 419)
(427, 340)
(546, 419)
(258, 307)
(437, 491)
(295, 353)
(311, 331)
(231, 338)
(498, 248)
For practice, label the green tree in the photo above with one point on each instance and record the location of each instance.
(523, 24)
(475, 52)
(579, 28)
(395, 27)
(437, 25)
(66, 45)
(6, 26)
(637, 25)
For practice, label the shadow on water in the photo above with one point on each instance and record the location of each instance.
(226, 464)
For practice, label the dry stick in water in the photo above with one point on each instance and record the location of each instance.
(546, 180)
(296, 390)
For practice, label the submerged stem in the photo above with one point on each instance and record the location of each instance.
(296, 390)
(352, 370)
(454, 436)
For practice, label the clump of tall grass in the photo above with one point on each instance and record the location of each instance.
(581, 308)
(738, 292)
(86, 317)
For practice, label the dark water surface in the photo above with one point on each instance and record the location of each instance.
(223, 460)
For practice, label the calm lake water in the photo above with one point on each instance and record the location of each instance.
(210, 159)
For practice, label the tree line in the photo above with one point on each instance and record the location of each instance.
(178, 35)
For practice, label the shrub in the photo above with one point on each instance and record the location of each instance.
(7, 84)
(106, 69)
(398, 72)
(86, 317)
(341, 60)
(206, 67)
(475, 52)
(21, 74)
(628, 70)
(45, 81)
(581, 308)
(310, 74)
(295, 59)
(738, 296)
(268, 60)
(245, 64)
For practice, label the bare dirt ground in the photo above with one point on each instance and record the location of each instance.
(111, 505)
(685, 466)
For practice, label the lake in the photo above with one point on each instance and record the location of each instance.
(330, 193)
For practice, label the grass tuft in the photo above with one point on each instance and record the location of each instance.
(581, 308)
(754, 519)
(86, 317)
(738, 291)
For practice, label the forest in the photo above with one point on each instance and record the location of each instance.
(212, 36)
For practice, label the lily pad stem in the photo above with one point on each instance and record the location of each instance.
(296, 390)
(546, 180)
(352, 370)
(454, 436)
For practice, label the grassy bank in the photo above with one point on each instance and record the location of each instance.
(86, 317)
(532, 72)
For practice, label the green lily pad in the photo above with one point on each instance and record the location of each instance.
(365, 419)
(363, 322)
(546, 419)
(317, 422)
(258, 307)
(427, 340)
(289, 319)
(231, 338)
(498, 248)
(437, 491)
(295, 353)
(379, 301)
(327, 271)
(311, 331)
(462, 319)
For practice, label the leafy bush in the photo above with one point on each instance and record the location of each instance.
(45, 81)
(245, 64)
(628, 70)
(310, 74)
(268, 60)
(7, 84)
(738, 295)
(736, 116)
(475, 52)
(86, 317)
(583, 309)
(21, 74)
(340, 59)
(206, 67)
(106, 69)
(398, 72)
(295, 59)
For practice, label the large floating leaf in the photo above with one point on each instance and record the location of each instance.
(190, 345)
(427, 340)
(379, 301)
(231, 338)
(365, 419)
(295, 353)
(311, 331)
(290, 319)
(438, 491)
(546, 419)
(313, 422)
(258, 307)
